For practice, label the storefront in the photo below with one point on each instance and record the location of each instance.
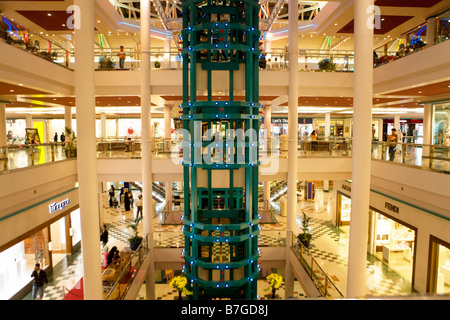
(439, 271)
(48, 243)
(411, 130)
(280, 127)
(441, 129)
(389, 239)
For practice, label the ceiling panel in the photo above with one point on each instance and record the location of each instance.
(11, 89)
(407, 3)
(423, 91)
(388, 23)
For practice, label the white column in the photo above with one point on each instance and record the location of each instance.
(29, 120)
(167, 136)
(428, 115)
(87, 154)
(327, 125)
(397, 126)
(167, 56)
(268, 49)
(361, 153)
(292, 144)
(68, 119)
(3, 132)
(103, 125)
(431, 32)
(146, 143)
(167, 121)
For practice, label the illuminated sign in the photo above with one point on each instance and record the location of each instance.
(58, 206)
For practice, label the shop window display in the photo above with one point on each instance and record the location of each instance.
(394, 244)
(442, 124)
(443, 272)
(18, 263)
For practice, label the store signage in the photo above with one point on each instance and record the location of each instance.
(346, 187)
(391, 207)
(58, 206)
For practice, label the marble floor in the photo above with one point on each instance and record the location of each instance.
(329, 247)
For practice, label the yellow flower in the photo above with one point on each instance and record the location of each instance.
(179, 283)
(274, 280)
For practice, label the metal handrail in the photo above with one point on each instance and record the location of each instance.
(328, 281)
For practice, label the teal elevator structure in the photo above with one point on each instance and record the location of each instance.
(220, 115)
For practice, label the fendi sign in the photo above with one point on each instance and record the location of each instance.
(391, 207)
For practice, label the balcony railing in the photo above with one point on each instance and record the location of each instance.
(117, 288)
(434, 157)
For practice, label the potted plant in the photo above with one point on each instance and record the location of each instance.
(327, 65)
(106, 63)
(305, 237)
(179, 283)
(135, 240)
(275, 281)
(157, 63)
(70, 145)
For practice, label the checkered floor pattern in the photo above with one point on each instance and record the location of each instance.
(381, 280)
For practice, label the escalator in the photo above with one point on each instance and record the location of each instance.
(159, 194)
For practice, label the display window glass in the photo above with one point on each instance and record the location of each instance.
(442, 124)
(440, 266)
(18, 263)
(344, 209)
(394, 244)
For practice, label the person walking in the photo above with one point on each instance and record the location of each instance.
(392, 144)
(122, 56)
(63, 138)
(55, 138)
(139, 206)
(104, 235)
(112, 193)
(40, 277)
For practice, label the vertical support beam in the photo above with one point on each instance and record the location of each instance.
(327, 125)
(146, 115)
(68, 118)
(87, 153)
(29, 120)
(431, 31)
(428, 112)
(361, 160)
(3, 133)
(103, 125)
(292, 144)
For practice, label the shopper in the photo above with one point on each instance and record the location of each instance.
(313, 137)
(63, 138)
(38, 285)
(122, 56)
(55, 138)
(392, 144)
(104, 235)
(130, 196)
(139, 206)
(126, 199)
(111, 255)
(112, 194)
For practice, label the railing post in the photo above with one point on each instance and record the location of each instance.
(53, 152)
(431, 156)
(404, 153)
(383, 150)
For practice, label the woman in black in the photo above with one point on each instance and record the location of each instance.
(104, 235)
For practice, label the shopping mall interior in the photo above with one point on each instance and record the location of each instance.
(105, 104)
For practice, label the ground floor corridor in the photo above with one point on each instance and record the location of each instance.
(329, 247)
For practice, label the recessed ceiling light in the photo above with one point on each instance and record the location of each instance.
(49, 14)
(11, 90)
(21, 84)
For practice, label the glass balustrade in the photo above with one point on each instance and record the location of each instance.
(117, 280)
(435, 157)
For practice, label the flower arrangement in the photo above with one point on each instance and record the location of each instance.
(179, 283)
(275, 281)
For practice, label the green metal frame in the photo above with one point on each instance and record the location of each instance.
(221, 36)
